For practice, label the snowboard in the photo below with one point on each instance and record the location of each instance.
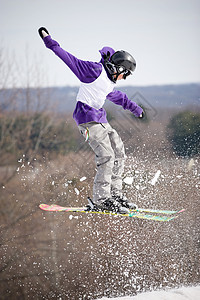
(140, 213)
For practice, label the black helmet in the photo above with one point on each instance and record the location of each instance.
(120, 62)
(123, 59)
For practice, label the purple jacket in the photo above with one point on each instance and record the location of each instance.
(87, 72)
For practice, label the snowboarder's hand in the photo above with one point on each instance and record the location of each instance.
(43, 32)
(142, 115)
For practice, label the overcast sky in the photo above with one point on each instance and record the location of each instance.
(162, 35)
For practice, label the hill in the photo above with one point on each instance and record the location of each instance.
(63, 99)
(165, 96)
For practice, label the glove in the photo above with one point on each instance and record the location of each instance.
(142, 115)
(43, 32)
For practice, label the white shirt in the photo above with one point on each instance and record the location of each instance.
(94, 93)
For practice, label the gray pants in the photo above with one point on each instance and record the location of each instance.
(110, 156)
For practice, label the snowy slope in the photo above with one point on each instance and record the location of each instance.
(184, 293)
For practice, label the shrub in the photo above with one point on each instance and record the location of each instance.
(184, 133)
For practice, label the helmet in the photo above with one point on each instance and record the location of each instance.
(123, 59)
(120, 62)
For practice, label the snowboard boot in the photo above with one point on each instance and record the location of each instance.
(109, 204)
(125, 202)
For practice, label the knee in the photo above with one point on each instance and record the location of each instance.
(105, 160)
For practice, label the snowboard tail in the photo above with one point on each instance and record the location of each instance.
(139, 213)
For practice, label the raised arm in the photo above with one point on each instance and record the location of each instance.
(86, 71)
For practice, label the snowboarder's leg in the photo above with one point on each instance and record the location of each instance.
(99, 141)
(118, 169)
(119, 159)
(104, 155)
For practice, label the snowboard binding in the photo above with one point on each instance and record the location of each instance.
(109, 205)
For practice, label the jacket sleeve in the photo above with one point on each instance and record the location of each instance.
(121, 98)
(86, 71)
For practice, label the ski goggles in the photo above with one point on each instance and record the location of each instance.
(125, 72)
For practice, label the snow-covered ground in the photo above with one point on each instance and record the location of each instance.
(184, 293)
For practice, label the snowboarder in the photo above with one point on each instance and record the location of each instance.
(97, 84)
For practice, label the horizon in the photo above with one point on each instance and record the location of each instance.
(118, 86)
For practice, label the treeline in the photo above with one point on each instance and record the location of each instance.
(39, 134)
(34, 134)
(183, 133)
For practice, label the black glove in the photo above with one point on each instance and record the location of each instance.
(40, 31)
(142, 115)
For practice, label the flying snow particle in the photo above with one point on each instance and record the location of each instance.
(83, 178)
(156, 176)
(126, 273)
(76, 191)
(128, 180)
(190, 164)
(53, 182)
